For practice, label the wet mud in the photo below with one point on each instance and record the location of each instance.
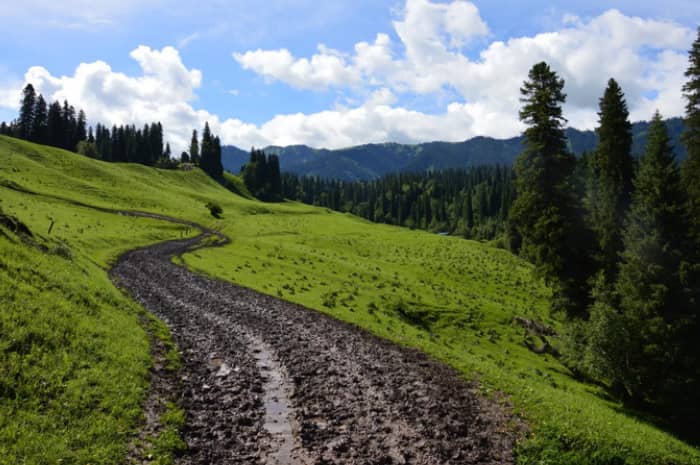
(268, 382)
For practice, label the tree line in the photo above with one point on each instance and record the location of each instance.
(261, 176)
(127, 144)
(619, 243)
(205, 153)
(59, 125)
(473, 203)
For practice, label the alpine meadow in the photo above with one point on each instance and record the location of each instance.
(352, 290)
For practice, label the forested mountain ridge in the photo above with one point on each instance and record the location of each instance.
(370, 161)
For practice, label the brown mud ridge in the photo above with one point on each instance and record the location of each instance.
(268, 382)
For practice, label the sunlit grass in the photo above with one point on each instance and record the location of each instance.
(451, 298)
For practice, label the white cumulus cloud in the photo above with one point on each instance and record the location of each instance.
(422, 57)
(646, 56)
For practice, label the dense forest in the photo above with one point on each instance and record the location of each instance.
(619, 244)
(473, 202)
(60, 126)
(262, 177)
(57, 125)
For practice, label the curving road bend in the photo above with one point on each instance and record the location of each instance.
(264, 381)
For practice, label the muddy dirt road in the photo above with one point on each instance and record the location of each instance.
(268, 382)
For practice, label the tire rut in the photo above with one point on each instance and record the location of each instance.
(266, 381)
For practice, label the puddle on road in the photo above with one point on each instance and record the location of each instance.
(284, 449)
(277, 407)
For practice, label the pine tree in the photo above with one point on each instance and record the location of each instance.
(155, 143)
(275, 178)
(194, 148)
(207, 150)
(80, 128)
(41, 121)
(167, 153)
(26, 113)
(691, 138)
(55, 127)
(69, 124)
(690, 175)
(217, 166)
(546, 215)
(612, 172)
(645, 347)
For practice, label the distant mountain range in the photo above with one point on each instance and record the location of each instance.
(370, 161)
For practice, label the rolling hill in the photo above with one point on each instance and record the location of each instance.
(365, 162)
(66, 332)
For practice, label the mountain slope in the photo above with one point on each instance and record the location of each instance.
(67, 333)
(370, 161)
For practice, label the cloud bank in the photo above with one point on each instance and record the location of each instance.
(435, 50)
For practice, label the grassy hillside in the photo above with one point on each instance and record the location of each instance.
(452, 298)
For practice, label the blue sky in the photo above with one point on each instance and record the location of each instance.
(342, 72)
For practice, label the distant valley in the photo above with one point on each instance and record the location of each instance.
(370, 161)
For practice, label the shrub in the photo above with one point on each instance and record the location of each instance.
(215, 209)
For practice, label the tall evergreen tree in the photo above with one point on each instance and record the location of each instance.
(167, 153)
(80, 127)
(68, 139)
(217, 165)
(156, 142)
(41, 121)
(691, 138)
(612, 172)
(194, 148)
(26, 113)
(207, 150)
(545, 214)
(646, 347)
(55, 127)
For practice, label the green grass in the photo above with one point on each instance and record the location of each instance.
(453, 299)
(66, 337)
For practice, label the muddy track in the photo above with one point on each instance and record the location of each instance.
(265, 381)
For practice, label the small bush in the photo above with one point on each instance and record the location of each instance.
(215, 209)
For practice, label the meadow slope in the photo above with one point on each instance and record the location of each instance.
(453, 299)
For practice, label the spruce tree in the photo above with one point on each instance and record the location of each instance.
(217, 166)
(690, 175)
(612, 171)
(41, 121)
(207, 150)
(194, 148)
(55, 127)
(80, 128)
(68, 138)
(546, 216)
(274, 177)
(691, 138)
(645, 347)
(26, 113)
